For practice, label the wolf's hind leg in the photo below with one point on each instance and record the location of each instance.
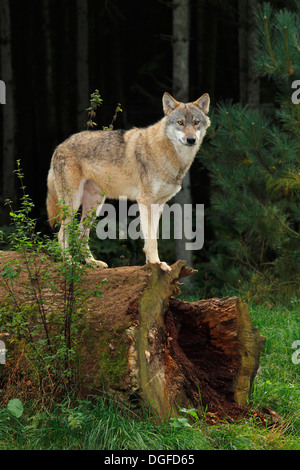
(150, 215)
(92, 200)
(70, 201)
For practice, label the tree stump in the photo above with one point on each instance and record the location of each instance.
(167, 353)
(140, 341)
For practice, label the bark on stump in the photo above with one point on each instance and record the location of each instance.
(143, 343)
(167, 353)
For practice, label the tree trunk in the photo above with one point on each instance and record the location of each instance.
(248, 79)
(82, 63)
(153, 349)
(8, 132)
(167, 353)
(50, 98)
(200, 45)
(211, 49)
(253, 76)
(243, 53)
(181, 48)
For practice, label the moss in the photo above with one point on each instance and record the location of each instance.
(113, 364)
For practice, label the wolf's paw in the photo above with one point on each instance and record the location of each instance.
(95, 262)
(164, 266)
(101, 264)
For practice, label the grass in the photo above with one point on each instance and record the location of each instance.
(103, 424)
(277, 382)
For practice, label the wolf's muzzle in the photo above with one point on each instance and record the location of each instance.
(190, 140)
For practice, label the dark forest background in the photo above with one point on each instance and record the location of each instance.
(127, 51)
(55, 53)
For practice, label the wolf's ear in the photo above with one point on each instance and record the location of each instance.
(169, 103)
(203, 103)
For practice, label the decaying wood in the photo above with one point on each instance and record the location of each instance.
(177, 353)
(142, 342)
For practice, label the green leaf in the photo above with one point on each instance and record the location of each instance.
(15, 407)
(192, 412)
(180, 423)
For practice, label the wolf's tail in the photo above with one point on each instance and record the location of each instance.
(52, 201)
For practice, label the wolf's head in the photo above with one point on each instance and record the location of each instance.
(186, 122)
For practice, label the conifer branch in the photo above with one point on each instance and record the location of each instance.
(259, 156)
(263, 203)
(229, 121)
(287, 51)
(269, 42)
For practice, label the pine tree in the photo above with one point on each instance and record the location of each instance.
(253, 158)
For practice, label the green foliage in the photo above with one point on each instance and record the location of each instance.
(253, 162)
(95, 101)
(183, 421)
(277, 383)
(111, 126)
(15, 407)
(279, 41)
(44, 320)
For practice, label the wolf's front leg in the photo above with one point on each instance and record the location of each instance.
(150, 215)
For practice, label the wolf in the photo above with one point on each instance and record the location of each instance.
(146, 165)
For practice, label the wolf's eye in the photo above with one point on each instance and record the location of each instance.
(180, 123)
(197, 122)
